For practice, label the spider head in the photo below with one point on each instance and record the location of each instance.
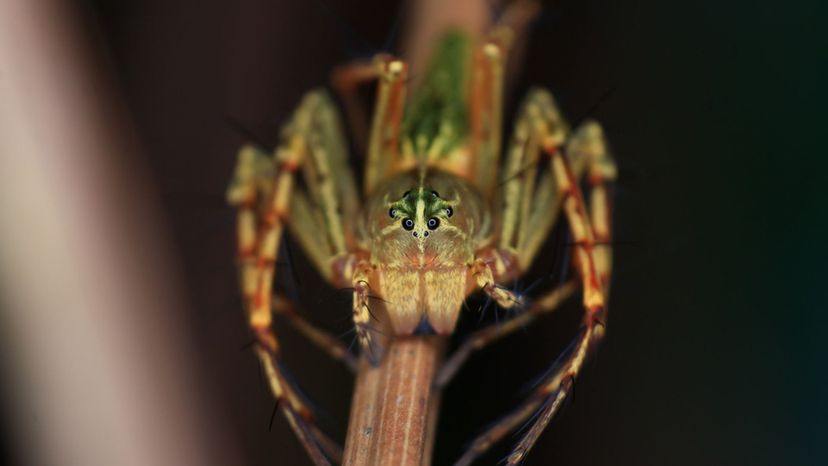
(423, 220)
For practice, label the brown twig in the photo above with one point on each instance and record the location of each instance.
(395, 405)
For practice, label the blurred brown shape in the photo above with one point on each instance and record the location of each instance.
(94, 346)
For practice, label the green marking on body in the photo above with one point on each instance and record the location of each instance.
(433, 205)
(439, 106)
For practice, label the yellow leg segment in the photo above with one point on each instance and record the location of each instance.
(346, 80)
(588, 144)
(263, 206)
(482, 273)
(487, 111)
(362, 311)
(530, 207)
(384, 139)
(327, 173)
(488, 83)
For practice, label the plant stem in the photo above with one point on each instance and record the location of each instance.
(395, 405)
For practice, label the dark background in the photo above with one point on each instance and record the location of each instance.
(713, 354)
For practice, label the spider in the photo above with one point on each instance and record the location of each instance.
(437, 217)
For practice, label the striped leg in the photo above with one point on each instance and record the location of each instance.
(362, 311)
(346, 80)
(592, 259)
(252, 179)
(486, 111)
(488, 84)
(522, 228)
(588, 144)
(588, 150)
(384, 140)
(524, 224)
(263, 190)
(542, 404)
(542, 129)
(384, 156)
(316, 218)
(484, 275)
(316, 215)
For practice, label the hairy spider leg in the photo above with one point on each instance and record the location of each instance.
(384, 138)
(587, 149)
(486, 111)
(539, 114)
(346, 80)
(264, 194)
(243, 194)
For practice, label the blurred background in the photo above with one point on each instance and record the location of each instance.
(715, 351)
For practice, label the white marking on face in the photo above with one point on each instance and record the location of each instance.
(420, 212)
(420, 222)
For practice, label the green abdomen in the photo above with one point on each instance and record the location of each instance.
(439, 106)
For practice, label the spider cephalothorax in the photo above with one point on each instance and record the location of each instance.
(422, 228)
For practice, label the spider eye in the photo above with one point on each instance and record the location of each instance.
(433, 223)
(392, 213)
(408, 224)
(435, 194)
(449, 211)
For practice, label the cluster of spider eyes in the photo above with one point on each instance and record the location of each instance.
(432, 223)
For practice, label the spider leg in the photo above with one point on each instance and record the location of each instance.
(252, 175)
(587, 153)
(523, 225)
(317, 213)
(384, 138)
(307, 227)
(587, 150)
(530, 201)
(362, 311)
(316, 218)
(346, 80)
(486, 112)
(518, 15)
(489, 78)
(541, 128)
(588, 144)
(484, 276)
(384, 157)
(538, 410)
(494, 332)
(256, 258)
(263, 192)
